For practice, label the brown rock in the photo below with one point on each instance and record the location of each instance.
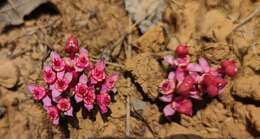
(252, 59)
(215, 25)
(147, 72)
(151, 40)
(234, 129)
(118, 109)
(216, 52)
(248, 87)
(254, 118)
(9, 74)
(214, 114)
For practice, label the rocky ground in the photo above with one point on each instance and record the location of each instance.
(212, 28)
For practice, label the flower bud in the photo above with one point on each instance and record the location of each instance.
(72, 45)
(182, 50)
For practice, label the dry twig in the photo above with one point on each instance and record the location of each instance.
(110, 63)
(248, 18)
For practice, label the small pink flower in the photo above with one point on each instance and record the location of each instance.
(53, 114)
(183, 106)
(185, 87)
(110, 81)
(62, 84)
(72, 45)
(82, 61)
(182, 50)
(210, 79)
(57, 62)
(167, 87)
(80, 90)
(49, 76)
(98, 73)
(103, 101)
(89, 98)
(64, 104)
(63, 81)
(38, 92)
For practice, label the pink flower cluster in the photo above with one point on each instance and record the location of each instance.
(73, 79)
(187, 81)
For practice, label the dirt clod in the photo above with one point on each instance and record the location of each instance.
(215, 26)
(9, 74)
(252, 59)
(248, 87)
(152, 40)
(139, 67)
(254, 118)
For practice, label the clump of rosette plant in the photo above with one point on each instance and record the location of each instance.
(188, 81)
(73, 79)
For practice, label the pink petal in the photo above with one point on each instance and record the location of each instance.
(83, 79)
(168, 110)
(171, 76)
(69, 76)
(100, 65)
(60, 75)
(104, 89)
(56, 121)
(166, 98)
(52, 86)
(195, 94)
(31, 87)
(89, 107)
(47, 67)
(179, 75)
(103, 109)
(114, 90)
(169, 59)
(195, 68)
(83, 52)
(184, 61)
(54, 55)
(93, 81)
(56, 99)
(184, 106)
(78, 69)
(78, 99)
(114, 76)
(46, 101)
(196, 77)
(55, 93)
(204, 64)
(69, 112)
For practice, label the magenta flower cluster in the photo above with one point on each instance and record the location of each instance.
(187, 81)
(73, 79)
